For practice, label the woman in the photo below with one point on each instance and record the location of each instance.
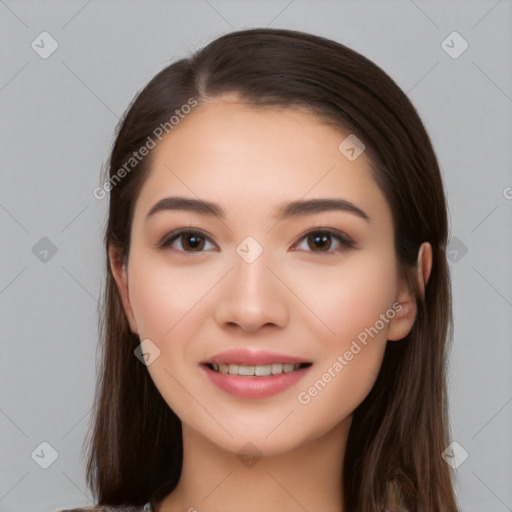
(277, 299)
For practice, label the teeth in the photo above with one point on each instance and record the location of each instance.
(242, 370)
(263, 370)
(258, 370)
(277, 368)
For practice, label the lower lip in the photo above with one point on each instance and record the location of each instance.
(254, 387)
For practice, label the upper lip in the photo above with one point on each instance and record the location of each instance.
(253, 357)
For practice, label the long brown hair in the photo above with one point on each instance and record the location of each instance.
(399, 431)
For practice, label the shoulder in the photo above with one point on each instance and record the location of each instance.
(106, 508)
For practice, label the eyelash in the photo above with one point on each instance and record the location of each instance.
(344, 241)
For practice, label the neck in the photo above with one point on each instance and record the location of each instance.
(307, 478)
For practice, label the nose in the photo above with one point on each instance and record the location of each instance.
(252, 298)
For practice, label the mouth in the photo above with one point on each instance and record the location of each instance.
(253, 374)
(263, 370)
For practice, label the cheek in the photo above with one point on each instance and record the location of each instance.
(351, 303)
(167, 303)
(349, 298)
(164, 298)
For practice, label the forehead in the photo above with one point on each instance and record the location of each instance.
(250, 158)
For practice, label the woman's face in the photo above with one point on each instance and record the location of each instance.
(263, 284)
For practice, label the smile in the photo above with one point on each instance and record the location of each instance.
(254, 381)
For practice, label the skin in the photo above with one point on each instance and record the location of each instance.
(295, 298)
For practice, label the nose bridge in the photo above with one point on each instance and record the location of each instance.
(251, 296)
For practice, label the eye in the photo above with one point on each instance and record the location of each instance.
(189, 240)
(321, 240)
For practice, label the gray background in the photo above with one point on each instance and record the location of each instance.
(57, 120)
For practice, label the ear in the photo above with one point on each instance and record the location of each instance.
(401, 324)
(120, 274)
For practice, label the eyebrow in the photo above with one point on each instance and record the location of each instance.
(285, 211)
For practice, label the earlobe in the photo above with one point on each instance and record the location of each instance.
(120, 274)
(405, 314)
